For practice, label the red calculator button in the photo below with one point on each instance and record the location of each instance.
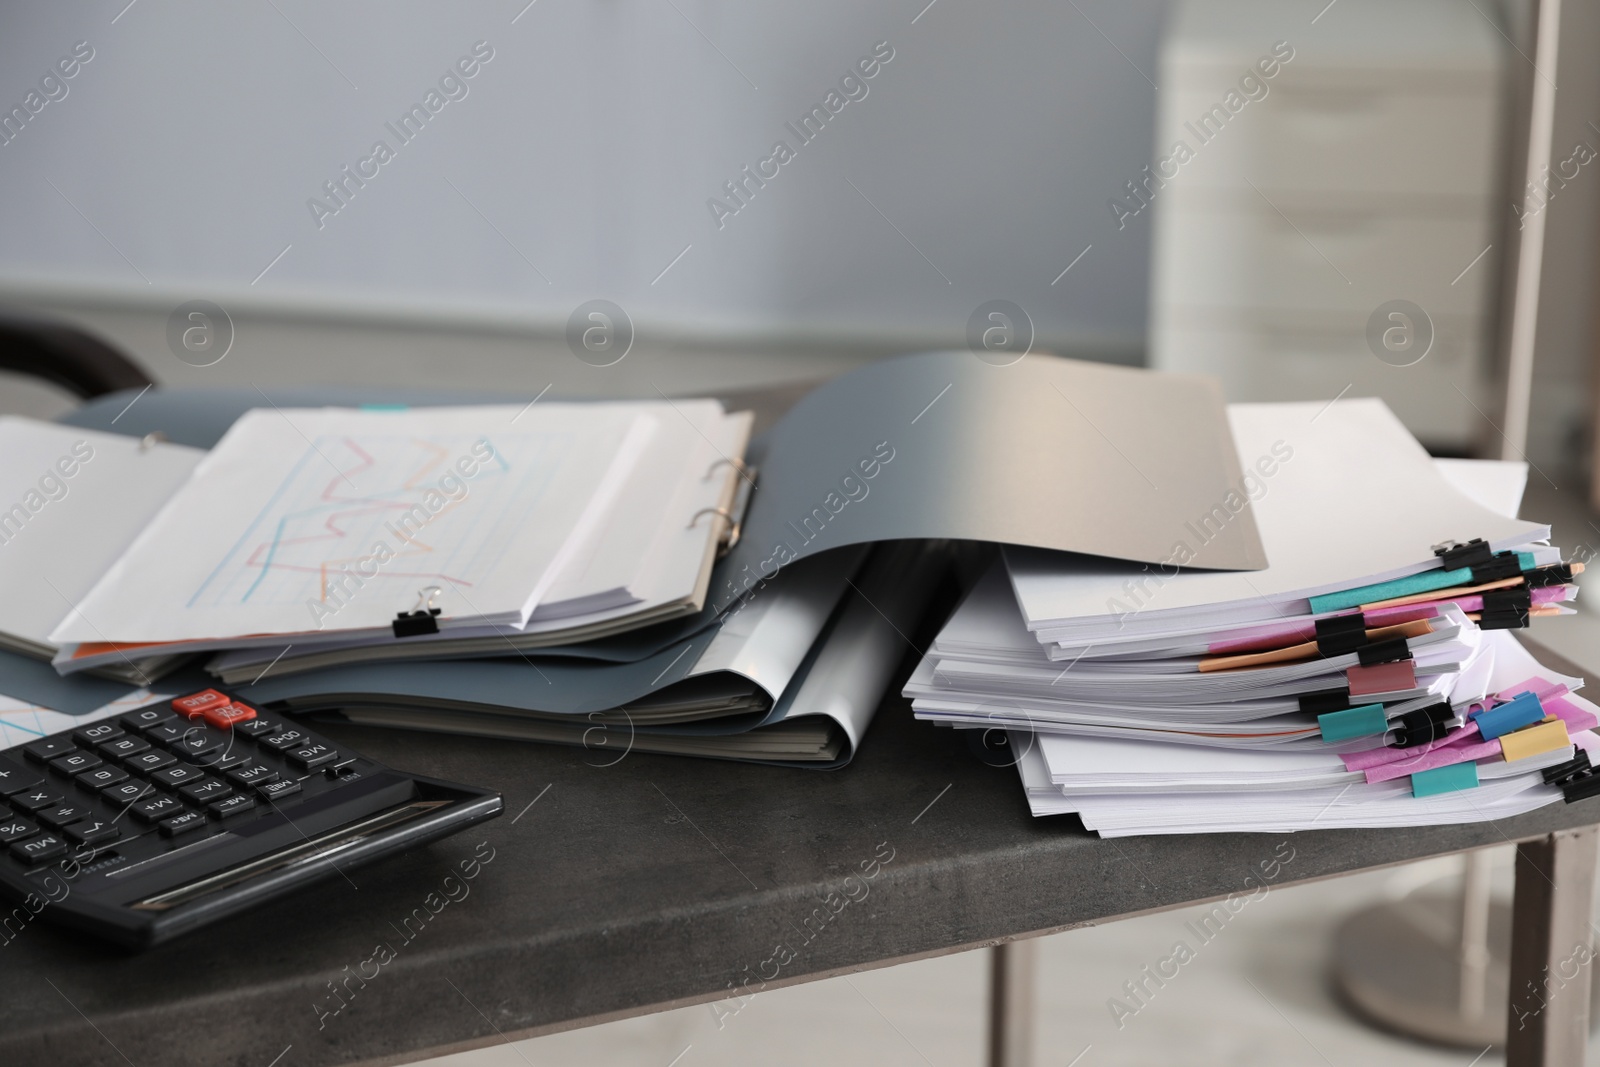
(228, 715)
(192, 705)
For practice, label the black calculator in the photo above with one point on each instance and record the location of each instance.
(145, 826)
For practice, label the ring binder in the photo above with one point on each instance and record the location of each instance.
(730, 535)
(423, 620)
(744, 469)
(734, 514)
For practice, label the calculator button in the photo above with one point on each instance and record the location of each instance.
(255, 774)
(285, 740)
(258, 727)
(123, 747)
(167, 732)
(234, 805)
(311, 756)
(127, 792)
(182, 824)
(274, 790)
(101, 777)
(156, 808)
(14, 778)
(14, 829)
(153, 760)
(39, 849)
(149, 717)
(205, 790)
(197, 744)
(35, 799)
(191, 706)
(100, 731)
(228, 715)
(61, 815)
(48, 749)
(92, 832)
(177, 774)
(74, 762)
(226, 760)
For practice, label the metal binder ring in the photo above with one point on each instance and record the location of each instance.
(425, 597)
(735, 528)
(737, 464)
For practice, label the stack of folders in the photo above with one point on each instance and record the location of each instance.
(626, 576)
(1367, 676)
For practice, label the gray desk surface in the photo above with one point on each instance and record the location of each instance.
(650, 882)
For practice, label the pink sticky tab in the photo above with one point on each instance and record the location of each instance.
(1575, 717)
(1382, 678)
(1439, 757)
(1394, 616)
(1378, 757)
(1542, 688)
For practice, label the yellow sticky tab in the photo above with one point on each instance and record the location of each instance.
(1532, 740)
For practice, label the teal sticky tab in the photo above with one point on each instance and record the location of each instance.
(385, 407)
(1521, 710)
(1426, 582)
(1451, 779)
(1352, 723)
(1525, 561)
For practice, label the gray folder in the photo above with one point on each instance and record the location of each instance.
(1047, 452)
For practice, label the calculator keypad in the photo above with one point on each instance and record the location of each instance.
(202, 767)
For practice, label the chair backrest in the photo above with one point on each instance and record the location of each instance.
(66, 356)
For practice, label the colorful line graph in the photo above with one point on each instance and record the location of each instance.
(347, 495)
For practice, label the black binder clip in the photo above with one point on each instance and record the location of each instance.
(1424, 725)
(1570, 771)
(1505, 609)
(1341, 634)
(1326, 700)
(1497, 568)
(424, 620)
(1453, 554)
(1393, 650)
(1486, 565)
(1555, 574)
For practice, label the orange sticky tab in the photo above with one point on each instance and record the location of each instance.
(191, 706)
(1533, 740)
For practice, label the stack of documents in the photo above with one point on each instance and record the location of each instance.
(1362, 678)
(316, 528)
(629, 576)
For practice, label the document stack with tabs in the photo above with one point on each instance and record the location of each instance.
(1367, 676)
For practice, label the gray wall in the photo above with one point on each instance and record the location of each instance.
(984, 154)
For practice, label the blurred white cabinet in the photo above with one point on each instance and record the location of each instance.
(1361, 170)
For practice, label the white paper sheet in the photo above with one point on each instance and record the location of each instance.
(485, 502)
(71, 501)
(1351, 499)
